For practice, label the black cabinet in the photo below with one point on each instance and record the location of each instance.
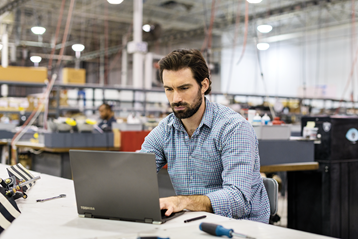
(326, 201)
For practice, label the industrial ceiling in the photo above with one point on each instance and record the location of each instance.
(98, 24)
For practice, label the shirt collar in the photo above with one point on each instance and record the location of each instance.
(207, 118)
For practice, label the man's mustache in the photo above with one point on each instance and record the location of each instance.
(179, 104)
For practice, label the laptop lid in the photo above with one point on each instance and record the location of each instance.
(116, 185)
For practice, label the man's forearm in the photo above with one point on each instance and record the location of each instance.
(196, 203)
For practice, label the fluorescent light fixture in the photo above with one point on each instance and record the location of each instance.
(146, 28)
(78, 47)
(115, 1)
(35, 59)
(38, 30)
(264, 28)
(0, 47)
(263, 46)
(254, 1)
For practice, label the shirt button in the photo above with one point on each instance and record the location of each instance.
(190, 157)
(186, 137)
(191, 177)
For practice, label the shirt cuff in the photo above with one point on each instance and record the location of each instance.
(223, 203)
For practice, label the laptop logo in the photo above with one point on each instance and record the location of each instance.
(88, 208)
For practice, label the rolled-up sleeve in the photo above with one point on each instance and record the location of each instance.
(239, 148)
(153, 143)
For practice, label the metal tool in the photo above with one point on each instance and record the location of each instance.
(218, 230)
(47, 199)
(29, 181)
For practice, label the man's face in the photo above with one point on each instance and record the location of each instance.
(103, 112)
(183, 92)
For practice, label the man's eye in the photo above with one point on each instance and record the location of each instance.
(168, 89)
(184, 88)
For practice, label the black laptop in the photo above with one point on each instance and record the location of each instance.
(117, 185)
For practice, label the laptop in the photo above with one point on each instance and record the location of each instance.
(117, 185)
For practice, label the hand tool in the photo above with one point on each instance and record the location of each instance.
(218, 230)
(46, 199)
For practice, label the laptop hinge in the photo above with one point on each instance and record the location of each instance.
(148, 220)
(88, 215)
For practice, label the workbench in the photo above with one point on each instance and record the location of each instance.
(59, 219)
(53, 161)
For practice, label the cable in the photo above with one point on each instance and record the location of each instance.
(106, 46)
(56, 35)
(263, 80)
(237, 24)
(65, 34)
(46, 94)
(246, 31)
(244, 43)
(351, 75)
(207, 40)
(64, 39)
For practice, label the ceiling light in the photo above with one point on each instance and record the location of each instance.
(263, 46)
(35, 59)
(264, 28)
(146, 28)
(78, 47)
(254, 1)
(115, 1)
(38, 30)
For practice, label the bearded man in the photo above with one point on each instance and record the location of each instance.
(211, 151)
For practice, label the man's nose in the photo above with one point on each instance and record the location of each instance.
(176, 97)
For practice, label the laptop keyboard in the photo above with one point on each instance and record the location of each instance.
(164, 216)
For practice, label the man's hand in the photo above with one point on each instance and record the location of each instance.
(179, 203)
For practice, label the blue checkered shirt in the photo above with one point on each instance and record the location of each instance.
(220, 160)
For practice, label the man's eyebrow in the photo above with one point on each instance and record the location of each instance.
(165, 86)
(185, 85)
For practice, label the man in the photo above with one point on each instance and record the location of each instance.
(211, 151)
(107, 116)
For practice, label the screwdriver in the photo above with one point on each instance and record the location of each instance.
(218, 230)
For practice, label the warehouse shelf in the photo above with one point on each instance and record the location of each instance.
(56, 111)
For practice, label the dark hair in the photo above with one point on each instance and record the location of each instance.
(107, 106)
(186, 58)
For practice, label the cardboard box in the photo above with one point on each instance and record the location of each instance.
(23, 74)
(73, 76)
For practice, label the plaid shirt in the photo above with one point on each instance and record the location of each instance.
(220, 160)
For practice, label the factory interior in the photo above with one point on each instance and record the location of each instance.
(90, 119)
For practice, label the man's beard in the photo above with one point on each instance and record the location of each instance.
(189, 111)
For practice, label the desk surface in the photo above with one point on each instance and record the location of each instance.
(42, 147)
(289, 167)
(58, 219)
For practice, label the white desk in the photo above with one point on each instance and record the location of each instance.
(58, 219)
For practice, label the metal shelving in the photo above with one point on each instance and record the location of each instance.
(56, 111)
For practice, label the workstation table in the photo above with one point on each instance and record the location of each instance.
(54, 161)
(59, 219)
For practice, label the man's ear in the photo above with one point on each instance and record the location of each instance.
(205, 85)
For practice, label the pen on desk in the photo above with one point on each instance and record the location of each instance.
(194, 219)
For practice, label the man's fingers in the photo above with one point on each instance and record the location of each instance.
(169, 211)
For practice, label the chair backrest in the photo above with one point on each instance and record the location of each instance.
(271, 186)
